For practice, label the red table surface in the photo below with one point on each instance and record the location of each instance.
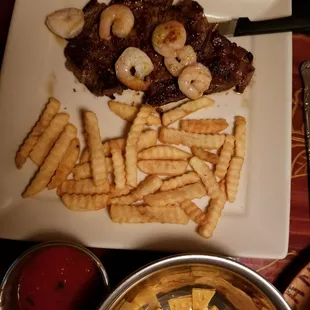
(279, 272)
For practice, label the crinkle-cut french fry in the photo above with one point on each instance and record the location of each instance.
(97, 159)
(118, 165)
(52, 108)
(129, 214)
(205, 155)
(163, 167)
(66, 165)
(175, 136)
(207, 176)
(227, 152)
(84, 187)
(172, 214)
(185, 109)
(116, 192)
(131, 144)
(205, 126)
(85, 202)
(85, 158)
(240, 135)
(233, 177)
(51, 162)
(187, 192)
(83, 171)
(48, 138)
(193, 212)
(164, 152)
(147, 139)
(179, 181)
(148, 186)
(129, 113)
(213, 213)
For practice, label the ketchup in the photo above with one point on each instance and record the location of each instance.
(60, 278)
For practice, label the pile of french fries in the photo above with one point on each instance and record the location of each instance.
(107, 173)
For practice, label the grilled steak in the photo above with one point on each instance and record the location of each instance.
(92, 59)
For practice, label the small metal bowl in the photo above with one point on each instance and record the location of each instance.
(9, 285)
(154, 285)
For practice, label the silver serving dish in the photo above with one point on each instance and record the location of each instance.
(237, 287)
(9, 285)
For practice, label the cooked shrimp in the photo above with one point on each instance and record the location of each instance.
(185, 56)
(169, 37)
(194, 80)
(66, 23)
(120, 18)
(134, 58)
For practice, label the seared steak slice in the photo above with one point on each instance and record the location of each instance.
(92, 60)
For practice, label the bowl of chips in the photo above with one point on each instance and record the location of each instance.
(195, 282)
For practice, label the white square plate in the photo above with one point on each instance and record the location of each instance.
(256, 225)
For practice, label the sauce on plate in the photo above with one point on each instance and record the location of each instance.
(61, 278)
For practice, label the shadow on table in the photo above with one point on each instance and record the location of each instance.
(291, 271)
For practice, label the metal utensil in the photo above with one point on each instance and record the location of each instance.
(180, 266)
(305, 73)
(243, 26)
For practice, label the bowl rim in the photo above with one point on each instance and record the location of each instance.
(266, 287)
(47, 244)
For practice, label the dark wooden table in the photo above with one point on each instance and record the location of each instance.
(280, 272)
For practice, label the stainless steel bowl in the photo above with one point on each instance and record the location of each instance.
(9, 285)
(173, 277)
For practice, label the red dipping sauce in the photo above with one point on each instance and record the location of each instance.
(62, 278)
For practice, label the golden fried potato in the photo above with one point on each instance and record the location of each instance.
(175, 136)
(83, 171)
(85, 202)
(131, 144)
(148, 186)
(213, 213)
(84, 187)
(240, 135)
(179, 181)
(118, 165)
(129, 113)
(227, 152)
(205, 155)
(202, 297)
(48, 138)
(171, 214)
(163, 167)
(192, 211)
(207, 177)
(116, 192)
(97, 159)
(51, 162)
(233, 177)
(66, 165)
(164, 152)
(147, 139)
(185, 109)
(52, 108)
(187, 192)
(205, 126)
(85, 158)
(181, 303)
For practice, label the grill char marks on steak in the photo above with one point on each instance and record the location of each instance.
(92, 60)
